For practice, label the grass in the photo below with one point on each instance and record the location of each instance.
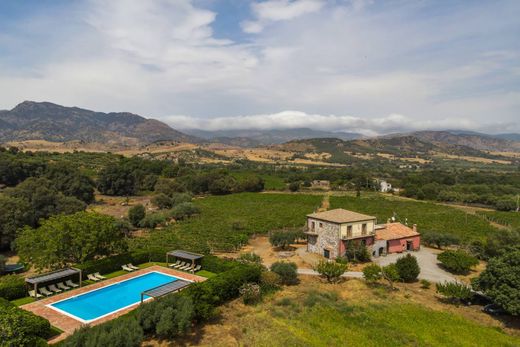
(23, 301)
(322, 318)
(427, 216)
(207, 274)
(226, 222)
(270, 182)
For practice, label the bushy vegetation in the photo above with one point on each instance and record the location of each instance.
(70, 239)
(356, 252)
(286, 271)
(455, 292)
(438, 240)
(136, 214)
(501, 281)
(407, 268)
(12, 287)
(22, 328)
(372, 273)
(251, 293)
(332, 271)
(124, 332)
(283, 238)
(459, 261)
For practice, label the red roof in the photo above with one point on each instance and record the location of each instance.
(393, 231)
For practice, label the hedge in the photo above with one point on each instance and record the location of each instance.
(12, 287)
(21, 328)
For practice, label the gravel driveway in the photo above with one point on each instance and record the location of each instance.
(427, 259)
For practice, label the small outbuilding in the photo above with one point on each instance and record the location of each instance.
(396, 238)
(193, 258)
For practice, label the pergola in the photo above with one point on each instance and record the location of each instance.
(190, 256)
(164, 289)
(53, 277)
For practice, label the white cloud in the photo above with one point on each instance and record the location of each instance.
(279, 10)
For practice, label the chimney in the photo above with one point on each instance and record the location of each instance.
(414, 228)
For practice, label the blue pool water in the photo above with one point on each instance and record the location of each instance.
(97, 303)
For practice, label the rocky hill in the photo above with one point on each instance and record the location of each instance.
(481, 142)
(47, 121)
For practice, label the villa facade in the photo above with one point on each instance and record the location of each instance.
(329, 232)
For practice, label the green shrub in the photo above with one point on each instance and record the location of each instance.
(2, 264)
(250, 258)
(250, 293)
(162, 201)
(21, 328)
(286, 271)
(342, 260)
(12, 287)
(136, 214)
(270, 280)
(282, 238)
(357, 252)
(454, 291)
(457, 261)
(217, 265)
(152, 220)
(408, 268)
(179, 198)
(372, 273)
(330, 270)
(425, 284)
(123, 332)
(390, 274)
(183, 210)
(438, 240)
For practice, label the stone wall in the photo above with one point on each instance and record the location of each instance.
(328, 238)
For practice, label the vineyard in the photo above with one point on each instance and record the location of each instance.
(510, 219)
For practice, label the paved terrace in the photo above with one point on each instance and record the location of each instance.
(69, 324)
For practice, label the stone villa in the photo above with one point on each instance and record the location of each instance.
(329, 233)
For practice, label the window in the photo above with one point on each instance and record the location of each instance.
(349, 231)
(321, 225)
(364, 229)
(313, 226)
(326, 253)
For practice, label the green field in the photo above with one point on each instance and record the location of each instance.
(226, 222)
(511, 219)
(427, 216)
(319, 318)
(271, 182)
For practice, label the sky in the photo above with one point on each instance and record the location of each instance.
(342, 65)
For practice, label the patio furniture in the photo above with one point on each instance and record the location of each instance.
(97, 275)
(45, 292)
(71, 284)
(186, 268)
(33, 294)
(132, 266)
(92, 278)
(180, 265)
(62, 286)
(178, 262)
(126, 268)
(197, 268)
(54, 288)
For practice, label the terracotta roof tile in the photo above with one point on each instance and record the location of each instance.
(393, 231)
(340, 215)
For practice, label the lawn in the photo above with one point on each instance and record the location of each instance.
(271, 182)
(226, 222)
(427, 216)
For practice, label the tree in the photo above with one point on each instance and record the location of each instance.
(69, 180)
(282, 239)
(136, 214)
(183, 210)
(117, 179)
(14, 214)
(407, 268)
(457, 261)
(356, 252)
(501, 281)
(252, 183)
(294, 186)
(372, 273)
(439, 240)
(70, 239)
(454, 291)
(223, 185)
(332, 271)
(286, 271)
(390, 274)
(162, 201)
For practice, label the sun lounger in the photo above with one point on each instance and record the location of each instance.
(92, 277)
(54, 289)
(33, 294)
(176, 263)
(126, 268)
(62, 286)
(97, 275)
(132, 266)
(185, 268)
(71, 284)
(45, 292)
(197, 268)
(183, 264)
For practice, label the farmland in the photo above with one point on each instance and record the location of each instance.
(510, 219)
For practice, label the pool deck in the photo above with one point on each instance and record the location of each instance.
(69, 324)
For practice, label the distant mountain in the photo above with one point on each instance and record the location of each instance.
(510, 137)
(47, 121)
(254, 137)
(477, 141)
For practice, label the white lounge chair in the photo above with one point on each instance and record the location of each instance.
(178, 262)
(97, 275)
(62, 286)
(54, 288)
(197, 268)
(126, 268)
(92, 278)
(132, 266)
(71, 284)
(183, 264)
(185, 268)
(33, 294)
(45, 292)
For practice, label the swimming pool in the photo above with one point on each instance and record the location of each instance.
(101, 302)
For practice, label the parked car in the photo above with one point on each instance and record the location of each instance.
(494, 310)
